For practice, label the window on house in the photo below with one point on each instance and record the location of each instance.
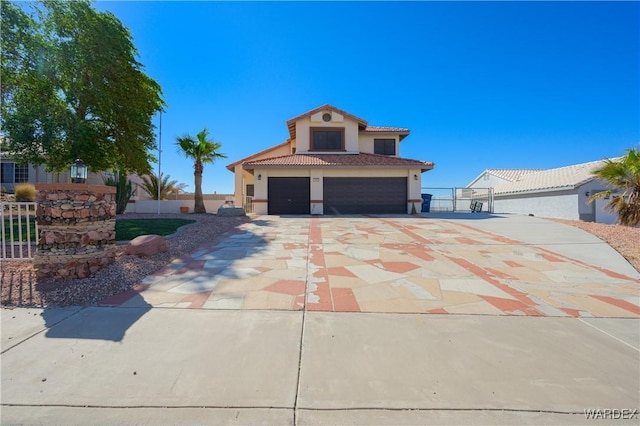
(7, 172)
(323, 139)
(249, 190)
(384, 146)
(21, 174)
(13, 173)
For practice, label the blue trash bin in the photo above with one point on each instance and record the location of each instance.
(426, 203)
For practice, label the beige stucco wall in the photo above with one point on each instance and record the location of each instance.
(366, 144)
(242, 178)
(304, 124)
(316, 189)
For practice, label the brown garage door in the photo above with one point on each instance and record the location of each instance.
(289, 195)
(365, 195)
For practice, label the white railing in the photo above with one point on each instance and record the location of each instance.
(19, 231)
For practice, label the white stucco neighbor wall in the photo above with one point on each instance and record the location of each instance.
(560, 205)
(570, 204)
(602, 214)
(597, 210)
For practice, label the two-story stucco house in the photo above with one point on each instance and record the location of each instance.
(332, 163)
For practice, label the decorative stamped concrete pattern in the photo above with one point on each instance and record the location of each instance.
(384, 264)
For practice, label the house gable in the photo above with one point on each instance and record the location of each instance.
(492, 177)
(355, 133)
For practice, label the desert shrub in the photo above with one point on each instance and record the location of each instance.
(25, 192)
(124, 189)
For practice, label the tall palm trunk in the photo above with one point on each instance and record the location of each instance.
(199, 200)
(202, 151)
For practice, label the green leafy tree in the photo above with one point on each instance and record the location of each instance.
(124, 189)
(72, 88)
(202, 151)
(624, 175)
(167, 188)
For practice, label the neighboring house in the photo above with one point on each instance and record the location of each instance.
(492, 177)
(561, 193)
(332, 163)
(13, 173)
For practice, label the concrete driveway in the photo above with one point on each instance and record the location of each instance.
(463, 320)
(463, 264)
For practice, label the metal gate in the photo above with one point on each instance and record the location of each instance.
(456, 199)
(19, 231)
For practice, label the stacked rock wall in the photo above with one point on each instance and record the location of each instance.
(77, 229)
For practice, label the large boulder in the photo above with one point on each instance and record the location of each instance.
(146, 245)
(227, 210)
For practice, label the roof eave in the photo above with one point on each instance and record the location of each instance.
(549, 189)
(536, 191)
(423, 167)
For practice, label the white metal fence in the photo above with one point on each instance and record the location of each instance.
(457, 199)
(19, 231)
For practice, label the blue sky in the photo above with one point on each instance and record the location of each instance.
(480, 84)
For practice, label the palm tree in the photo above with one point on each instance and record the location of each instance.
(202, 151)
(623, 174)
(167, 188)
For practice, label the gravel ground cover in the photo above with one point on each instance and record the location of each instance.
(20, 288)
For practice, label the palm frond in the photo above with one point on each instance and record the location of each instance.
(623, 174)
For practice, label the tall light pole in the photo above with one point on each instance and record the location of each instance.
(158, 181)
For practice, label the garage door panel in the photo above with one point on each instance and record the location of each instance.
(365, 195)
(289, 195)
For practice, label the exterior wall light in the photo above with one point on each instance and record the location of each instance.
(259, 177)
(415, 177)
(78, 172)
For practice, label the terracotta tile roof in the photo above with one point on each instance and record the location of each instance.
(562, 178)
(400, 131)
(381, 129)
(339, 161)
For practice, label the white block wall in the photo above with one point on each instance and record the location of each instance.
(170, 206)
(562, 205)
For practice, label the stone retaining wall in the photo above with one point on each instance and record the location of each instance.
(77, 229)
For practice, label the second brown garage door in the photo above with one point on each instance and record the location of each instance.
(365, 195)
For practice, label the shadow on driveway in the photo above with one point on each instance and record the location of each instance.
(96, 323)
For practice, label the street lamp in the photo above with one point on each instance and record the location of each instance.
(78, 172)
